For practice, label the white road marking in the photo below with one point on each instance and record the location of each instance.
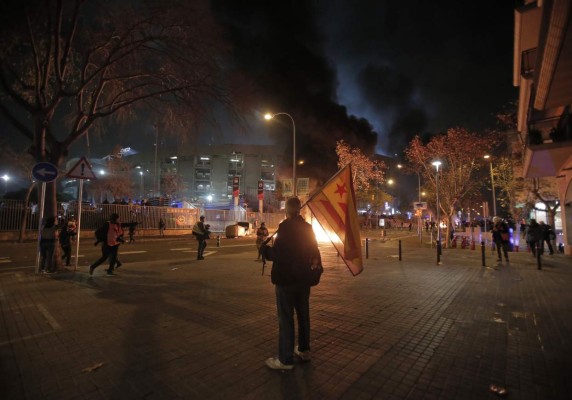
(206, 253)
(25, 338)
(132, 252)
(51, 320)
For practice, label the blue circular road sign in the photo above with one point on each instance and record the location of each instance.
(45, 172)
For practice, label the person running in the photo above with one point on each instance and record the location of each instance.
(131, 231)
(534, 237)
(110, 245)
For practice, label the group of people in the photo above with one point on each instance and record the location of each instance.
(538, 233)
(295, 246)
(51, 234)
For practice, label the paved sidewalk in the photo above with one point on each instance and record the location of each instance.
(195, 330)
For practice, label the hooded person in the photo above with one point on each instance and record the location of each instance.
(294, 254)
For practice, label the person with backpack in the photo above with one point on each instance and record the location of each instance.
(110, 235)
(296, 267)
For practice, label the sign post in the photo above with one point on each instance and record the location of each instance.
(43, 172)
(81, 170)
(260, 198)
(419, 206)
(235, 190)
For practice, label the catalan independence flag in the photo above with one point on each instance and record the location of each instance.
(334, 206)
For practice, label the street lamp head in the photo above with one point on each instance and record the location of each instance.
(268, 116)
(436, 164)
(399, 166)
(390, 182)
(5, 177)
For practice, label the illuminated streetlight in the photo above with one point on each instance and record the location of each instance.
(437, 164)
(488, 157)
(6, 179)
(268, 117)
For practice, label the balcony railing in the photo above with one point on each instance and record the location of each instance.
(550, 130)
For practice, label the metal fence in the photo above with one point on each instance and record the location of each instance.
(147, 217)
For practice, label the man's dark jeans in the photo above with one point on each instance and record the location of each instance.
(288, 299)
(104, 256)
(112, 257)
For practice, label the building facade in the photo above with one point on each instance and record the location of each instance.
(543, 73)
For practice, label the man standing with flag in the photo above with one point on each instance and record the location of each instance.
(295, 250)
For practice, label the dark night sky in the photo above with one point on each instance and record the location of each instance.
(354, 69)
(407, 68)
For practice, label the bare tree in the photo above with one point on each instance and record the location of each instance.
(116, 181)
(68, 66)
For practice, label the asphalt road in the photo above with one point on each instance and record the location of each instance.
(23, 255)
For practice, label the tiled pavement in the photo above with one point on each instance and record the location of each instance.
(401, 330)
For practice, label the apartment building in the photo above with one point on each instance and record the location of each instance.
(543, 73)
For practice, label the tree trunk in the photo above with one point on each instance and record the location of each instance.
(25, 213)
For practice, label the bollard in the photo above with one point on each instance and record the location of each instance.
(538, 263)
(366, 248)
(399, 249)
(483, 253)
(516, 249)
(472, 244)
(217, 240)
(438, 252)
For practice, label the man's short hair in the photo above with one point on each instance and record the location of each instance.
(202, 218)
(114, 217)
(293, 206)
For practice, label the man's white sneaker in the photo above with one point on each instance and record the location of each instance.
(275, 363)
(304, 355)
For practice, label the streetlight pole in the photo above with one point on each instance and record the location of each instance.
(437, 164)
(156, 181)
(488, 157)
(271, 116)
(419, 228)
